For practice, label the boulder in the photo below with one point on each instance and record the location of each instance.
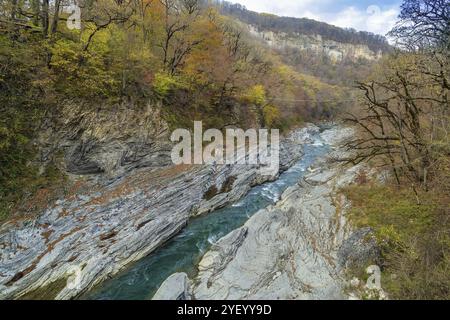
(360, 250)
(176, 287)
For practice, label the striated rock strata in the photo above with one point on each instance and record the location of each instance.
(291, 250)
(87, 238)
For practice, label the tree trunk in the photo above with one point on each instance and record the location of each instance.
(36, 7)
(14, 10)
(45, 17)
(56, 17)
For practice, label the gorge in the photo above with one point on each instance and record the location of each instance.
(106, 192)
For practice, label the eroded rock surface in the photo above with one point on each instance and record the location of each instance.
(359, 250)
(106, 142)
(315, 44)
(286, 251)
(176, 287)
(93, 235)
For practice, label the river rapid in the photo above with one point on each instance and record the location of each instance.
(183, 252)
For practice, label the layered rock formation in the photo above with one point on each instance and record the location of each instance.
(296, 249)
(106, 142)
(84, 239)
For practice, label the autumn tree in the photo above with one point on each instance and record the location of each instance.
(423, 24)
(179, 15)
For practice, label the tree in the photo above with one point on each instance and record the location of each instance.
(178, 18)
(100, 15)
(423, 24)
(55, 20)
(405, 120)
(45, 17)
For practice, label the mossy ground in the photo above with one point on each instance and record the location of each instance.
(48, 292)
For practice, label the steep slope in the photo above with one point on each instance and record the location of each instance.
(316, 44)
(310, 30)
(335, 55)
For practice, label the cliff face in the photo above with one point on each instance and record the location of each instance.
(106, 141)
(315, 44)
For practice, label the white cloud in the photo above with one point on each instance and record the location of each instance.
(372, 19)
(283, 7)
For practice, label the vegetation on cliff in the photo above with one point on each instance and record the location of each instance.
(304, 26)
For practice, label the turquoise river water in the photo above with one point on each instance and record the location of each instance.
(182, 254)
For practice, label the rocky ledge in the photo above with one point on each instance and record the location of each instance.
(87, 238)
(296, 249)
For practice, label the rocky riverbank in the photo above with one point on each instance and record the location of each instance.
(91, 236)
(296, 249)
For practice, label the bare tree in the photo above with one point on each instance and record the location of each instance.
(55, 20)
(423, 23)
(103, 14)
(405, 117)
(45, 17)
(178, 17)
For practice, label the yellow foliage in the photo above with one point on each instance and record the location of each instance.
(256, 95)
(164, 83)
(272, 115)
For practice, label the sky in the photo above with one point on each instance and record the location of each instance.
(377, 16)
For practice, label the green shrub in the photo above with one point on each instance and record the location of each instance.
(164, 83)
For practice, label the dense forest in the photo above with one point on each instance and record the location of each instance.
(304, 26)
(181, 55)
(343, 72)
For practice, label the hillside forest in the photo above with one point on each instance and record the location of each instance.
(185, 55)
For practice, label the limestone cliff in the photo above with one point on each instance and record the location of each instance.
(315, 44)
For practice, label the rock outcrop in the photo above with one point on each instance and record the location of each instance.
(91, 236)
(106, 142)
(359, 250)
(289, 250)
(176, 287)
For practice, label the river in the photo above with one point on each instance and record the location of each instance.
(182, 254)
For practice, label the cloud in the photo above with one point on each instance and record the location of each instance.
(372, 19)
(360, 15)
(283, 7)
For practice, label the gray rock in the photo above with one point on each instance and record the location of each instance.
(315, 45)
(94, 238)
(108, 141)
(337, 135)
(320, 177)
(286, 251)
(176, 287)
(360, 250)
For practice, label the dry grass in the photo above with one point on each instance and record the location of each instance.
(414, 238)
